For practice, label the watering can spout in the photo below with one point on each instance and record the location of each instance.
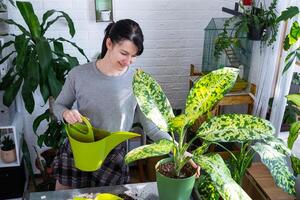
(116, 138)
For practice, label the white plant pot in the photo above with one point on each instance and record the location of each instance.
(8, 156)
(105, 15)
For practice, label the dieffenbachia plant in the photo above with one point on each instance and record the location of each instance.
(207, 91)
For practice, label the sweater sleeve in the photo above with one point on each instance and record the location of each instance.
(65, 99)
(150, 128)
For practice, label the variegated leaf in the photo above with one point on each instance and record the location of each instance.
(202, 149)
(293, 135)
(276, 163)
(208, 90)
(221, 177)
(152, 100)
(295, 164)
(159, 148)
(235, 128)
(178, 123)
(294, 98)
(206, 188)
(278, 144)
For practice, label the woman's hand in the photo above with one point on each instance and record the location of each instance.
(72, 116)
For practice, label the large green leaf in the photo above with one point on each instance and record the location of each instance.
(39, 119)
(206, 188)
(64, 15)
(288, 13)
(159, 148)
(278, 167)
(208, 90)
(221, 177)
(152, 100)
(44, 56)
(295, 165)
(21, 44)
(235, 128)
(294, 98)
(54, 85)
(278, 144)
(177, 124)
(30, 18)
(293, 134)
(11, 92)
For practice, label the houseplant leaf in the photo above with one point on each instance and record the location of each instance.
(159, 148)
(295, 165)
(221, 177)
(278, 144)
(294, 98)
(208, 90)
(289, 13)
(235, 128)
(278, 167)
(30, 18)
(152, 100)
(293, 135)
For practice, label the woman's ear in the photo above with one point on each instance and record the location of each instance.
(109, 44)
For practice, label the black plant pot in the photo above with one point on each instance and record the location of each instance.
(255, 32)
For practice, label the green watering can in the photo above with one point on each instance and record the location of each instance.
(90, 145)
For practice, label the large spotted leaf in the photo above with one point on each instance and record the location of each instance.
(152, 100)
(178, 123)
(278, 144)
(208, 90)
(278, 167)
(221, 177)
(159, 148)
(235, 128)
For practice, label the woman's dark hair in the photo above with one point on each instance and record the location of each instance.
(125, 29)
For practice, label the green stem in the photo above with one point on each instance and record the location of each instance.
(226, 150)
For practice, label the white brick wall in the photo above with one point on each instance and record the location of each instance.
(173, 30)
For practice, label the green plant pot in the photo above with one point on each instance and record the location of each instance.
(171, 188)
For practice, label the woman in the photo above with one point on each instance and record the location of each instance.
(103, 92)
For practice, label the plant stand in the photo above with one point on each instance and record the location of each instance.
(259, 184)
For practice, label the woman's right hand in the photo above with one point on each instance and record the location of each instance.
(72, 116)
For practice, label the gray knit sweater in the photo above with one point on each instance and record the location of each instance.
(108, 101)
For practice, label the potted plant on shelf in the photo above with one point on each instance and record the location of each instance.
(225, 128)
(8, 150)
(257, 23)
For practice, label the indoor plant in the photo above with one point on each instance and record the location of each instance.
(38, 62)
(224, 128)
(154, 104)
(258, 23)
(8, 150)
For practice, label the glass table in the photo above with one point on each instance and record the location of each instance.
(138, 191)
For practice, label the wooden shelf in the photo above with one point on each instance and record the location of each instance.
(259, 184)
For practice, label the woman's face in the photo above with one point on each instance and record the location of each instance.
(121, 54)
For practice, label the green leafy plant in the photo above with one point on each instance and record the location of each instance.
(40, 63)
(246, 129)
(294, 133)
(292, 37)
(260, 20)
(7, 143)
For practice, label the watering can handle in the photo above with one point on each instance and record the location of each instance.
(88, 124)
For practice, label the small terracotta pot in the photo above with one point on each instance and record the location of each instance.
(8, 156)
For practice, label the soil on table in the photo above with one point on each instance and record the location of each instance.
(168, 169)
